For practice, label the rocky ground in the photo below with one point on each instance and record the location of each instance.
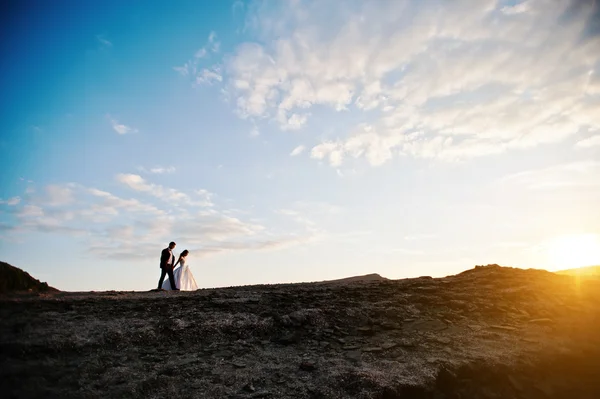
(490, 332)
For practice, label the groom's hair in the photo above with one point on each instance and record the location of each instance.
(172, 243)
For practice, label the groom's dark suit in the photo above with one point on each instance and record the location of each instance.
(166, 264)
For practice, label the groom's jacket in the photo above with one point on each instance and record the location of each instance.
(164, 258)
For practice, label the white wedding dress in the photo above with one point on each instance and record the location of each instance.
(184, 279)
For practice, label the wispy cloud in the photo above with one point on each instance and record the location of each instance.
(433, 80)
(297, 151)
(209, 76)
(59, 194)
(11, 201)
(516, 9)
(574, 174)
(593, 141)
(138, 183)
(421, 236)
(113, 227)
(119, 127)
(192, 67)
(158, 170)
(237, 5)
(104, 42)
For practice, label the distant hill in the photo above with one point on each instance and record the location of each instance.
(13, 279)
(589, 271)
(354, 279)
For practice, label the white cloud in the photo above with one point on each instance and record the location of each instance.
(103, 41)
(169, 195)
(583, 174)
(192, 67)
(421, 236)
(205, 197)
(444, 80)
(593, 141)
(297, 151)
(237, 5)
(119, 127)
(110, 204)
(294, 122)
(201, 53)
(213, 43)
(516, 9)
(59, 194)
(185, 70)
(11, 201)
(158, 170)
(209, 76)
(31, 211)
(117, 228)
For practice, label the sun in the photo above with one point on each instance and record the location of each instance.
(574, 251)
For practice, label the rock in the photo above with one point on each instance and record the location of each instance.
(372, 349)
(514, 382)
(389, 345)
(529, 340)
(475, 327)
(503, 328)
(390, 325)
(223, 353)
(446, 380)
(249, 387)
(545, 387)
(407, 342)
(454, 330)
(426, 325)
(365, 330)
(308, 365)
(341, 340)
(544, 321)
(238, 364)
(286, 321)
(354, 355)
(289, 339)
(443, 340)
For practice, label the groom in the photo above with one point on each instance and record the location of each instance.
(166, 265)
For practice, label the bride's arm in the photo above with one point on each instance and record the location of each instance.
(176, 263)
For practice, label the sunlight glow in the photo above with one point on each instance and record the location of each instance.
(574, 251)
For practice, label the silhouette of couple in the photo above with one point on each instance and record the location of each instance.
(180, 279)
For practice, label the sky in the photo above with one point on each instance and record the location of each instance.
(293, 141)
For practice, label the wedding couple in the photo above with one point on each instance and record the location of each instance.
(180, 279)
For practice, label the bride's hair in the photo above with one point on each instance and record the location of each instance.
(185, 252)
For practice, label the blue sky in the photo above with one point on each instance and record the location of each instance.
(285, 141)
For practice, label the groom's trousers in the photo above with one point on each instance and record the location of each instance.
(167, 271)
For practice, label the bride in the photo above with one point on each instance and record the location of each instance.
(184, 279)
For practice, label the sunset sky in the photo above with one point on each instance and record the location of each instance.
(288, 141)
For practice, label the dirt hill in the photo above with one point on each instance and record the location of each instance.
(490, 332)
(592, 271)
(356, 279)
(13, 279)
